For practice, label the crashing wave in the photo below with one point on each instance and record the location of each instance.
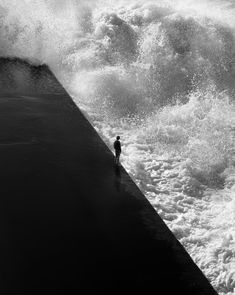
(162, 75)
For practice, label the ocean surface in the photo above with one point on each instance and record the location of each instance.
(161, 74)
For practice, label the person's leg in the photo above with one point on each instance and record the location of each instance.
(118, 157)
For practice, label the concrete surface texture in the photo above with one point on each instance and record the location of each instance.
(71, 220)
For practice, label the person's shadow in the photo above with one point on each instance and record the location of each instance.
(118, 178)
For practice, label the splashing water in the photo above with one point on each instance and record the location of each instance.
(162, 75)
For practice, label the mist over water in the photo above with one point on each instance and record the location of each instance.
(162, 75)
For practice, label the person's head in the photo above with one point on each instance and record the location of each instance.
(118, 137)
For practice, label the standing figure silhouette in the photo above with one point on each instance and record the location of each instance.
(118, 149)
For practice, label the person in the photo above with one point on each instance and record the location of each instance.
(118, 149)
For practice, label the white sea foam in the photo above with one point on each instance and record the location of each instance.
(161, 74)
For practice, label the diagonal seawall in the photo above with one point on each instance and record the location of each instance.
(70, 220)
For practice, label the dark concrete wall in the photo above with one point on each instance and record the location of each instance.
(20, 76)
(70, 219)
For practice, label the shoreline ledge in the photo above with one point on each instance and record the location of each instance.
(70, 220)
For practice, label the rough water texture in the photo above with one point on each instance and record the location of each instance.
(161, 74)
